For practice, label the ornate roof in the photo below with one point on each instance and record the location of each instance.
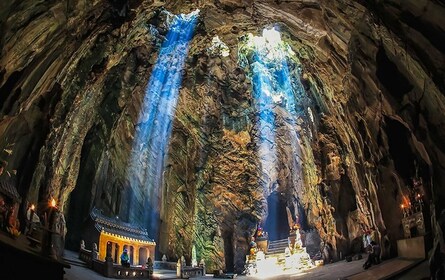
(117, 227)
(7, 188)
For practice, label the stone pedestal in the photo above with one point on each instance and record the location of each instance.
(262, 244)
(412, 248)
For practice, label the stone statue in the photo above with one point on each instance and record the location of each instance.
(95, 252)
(150, 265)
(183, 263)
(202, 264)
(298, 243)
(164, 258)
(194, 260)
(178, 268)
(82, 244)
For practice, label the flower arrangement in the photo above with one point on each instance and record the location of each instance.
(296, 226)
(13, 231)
(260, 232)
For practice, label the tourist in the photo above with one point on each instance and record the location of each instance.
(374, 255)
(366, 239)
(125, 259)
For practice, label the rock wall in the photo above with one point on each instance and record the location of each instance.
(73, 77)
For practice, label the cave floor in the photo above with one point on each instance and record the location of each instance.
(399, 269)
(396, 269)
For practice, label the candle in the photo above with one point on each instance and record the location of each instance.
(403, 209)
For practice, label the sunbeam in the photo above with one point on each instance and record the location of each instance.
(155, 121)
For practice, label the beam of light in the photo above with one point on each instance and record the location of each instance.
(155, 121)
(276, 93)
(266, 57)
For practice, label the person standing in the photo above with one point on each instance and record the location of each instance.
(125, 259)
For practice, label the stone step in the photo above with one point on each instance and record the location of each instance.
(279, 256)
(281, 245)
(284, 245)
(278, 241)
(275, 251)
(277, 245)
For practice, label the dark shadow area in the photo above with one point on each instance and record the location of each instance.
(277, 225)
(80, 198)
(18, 264)
(399, 148)
(9, 94)
(390, 76)
(228, 251)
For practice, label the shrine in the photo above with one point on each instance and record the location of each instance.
(113, 235)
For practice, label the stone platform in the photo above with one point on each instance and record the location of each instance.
(385, 270)
(388, 269)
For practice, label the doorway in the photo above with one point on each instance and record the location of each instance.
(277, 225)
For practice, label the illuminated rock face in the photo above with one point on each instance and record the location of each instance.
(73, 77)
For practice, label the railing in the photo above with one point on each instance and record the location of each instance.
(118, 271)
(108, 269)
(86, 256)
(190, 271)
(164, 265)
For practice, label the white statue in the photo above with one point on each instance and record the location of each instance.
(202, 264)
(194, 260)
(298, 243)
(178, 268)
(164, 258)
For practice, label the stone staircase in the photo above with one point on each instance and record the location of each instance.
(278, 258)
(277, 247)
(276, 250)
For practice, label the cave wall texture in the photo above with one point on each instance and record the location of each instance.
(72, 80)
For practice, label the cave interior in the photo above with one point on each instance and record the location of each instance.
(207, 121)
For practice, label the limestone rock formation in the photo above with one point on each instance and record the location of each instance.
(371, 113)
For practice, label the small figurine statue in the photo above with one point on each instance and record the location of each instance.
(95, 252)
(202, 264)
(178, 268)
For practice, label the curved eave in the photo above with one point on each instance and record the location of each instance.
(125, 238)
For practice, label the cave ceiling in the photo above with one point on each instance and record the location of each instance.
(365, 117)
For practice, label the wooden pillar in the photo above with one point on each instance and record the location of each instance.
(102, 247)
(136, 255)
(113, 251)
